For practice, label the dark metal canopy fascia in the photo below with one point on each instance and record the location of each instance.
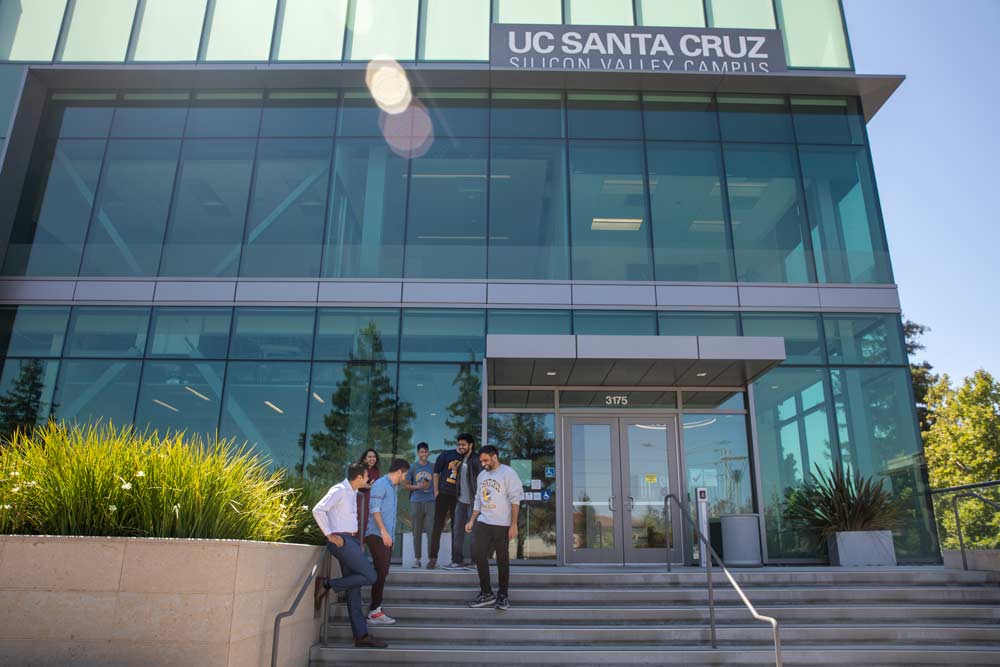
(874, 90)
(652, 361)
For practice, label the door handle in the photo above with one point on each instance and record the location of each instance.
(631, 503)
(611, 503)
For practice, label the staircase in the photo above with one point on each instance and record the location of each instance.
(605, 616)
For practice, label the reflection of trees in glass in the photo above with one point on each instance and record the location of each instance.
(526, 436)
(365, 411)
(466, 412)
(21, 407)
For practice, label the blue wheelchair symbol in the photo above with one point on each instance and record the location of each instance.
(546, 495)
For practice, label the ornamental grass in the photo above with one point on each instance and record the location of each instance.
(114, 481)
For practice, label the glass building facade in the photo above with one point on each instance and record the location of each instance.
(226, 233)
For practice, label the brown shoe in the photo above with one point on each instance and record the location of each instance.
(369, 642)
(432, 564)
(320, 590)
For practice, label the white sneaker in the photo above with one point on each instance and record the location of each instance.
(416, 564)
(378, 617)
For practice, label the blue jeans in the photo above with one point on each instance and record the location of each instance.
(356, 571)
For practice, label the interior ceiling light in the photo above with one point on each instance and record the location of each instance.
(166, 405)
(274, 407)
(388, 84)
(702, 374)
(616, 224)
(701, 424)
(198, 394)
(318, 398)
(550, 373)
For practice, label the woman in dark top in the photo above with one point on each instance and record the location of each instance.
(370, 459)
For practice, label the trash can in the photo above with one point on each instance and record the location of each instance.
(741, 540)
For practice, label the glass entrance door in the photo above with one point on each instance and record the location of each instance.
(619, 471)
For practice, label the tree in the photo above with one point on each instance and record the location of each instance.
(365, 411)
(962, 446)
(921, 372)
(21, 407)
(466, 412)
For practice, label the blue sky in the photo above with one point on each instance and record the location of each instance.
(936, 147)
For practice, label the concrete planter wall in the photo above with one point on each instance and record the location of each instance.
(854, 548)
(979, 559)
(113, 602)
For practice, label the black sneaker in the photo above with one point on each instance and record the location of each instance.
(502, 602)
(369, 642)
(483, 600)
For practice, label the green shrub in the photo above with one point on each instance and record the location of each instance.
(838, 501)
(103, 480)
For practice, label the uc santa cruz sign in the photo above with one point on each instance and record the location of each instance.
(636, 49)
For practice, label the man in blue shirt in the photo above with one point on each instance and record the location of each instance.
(379, 534)
(418, 483)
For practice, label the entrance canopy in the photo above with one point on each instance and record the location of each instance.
(652, 361)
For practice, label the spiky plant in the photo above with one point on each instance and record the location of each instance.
(838, 501)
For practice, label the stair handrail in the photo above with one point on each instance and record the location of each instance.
(729, 575)
(961, 493)
(308, 579)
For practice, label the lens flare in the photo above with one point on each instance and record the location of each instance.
(389, 86)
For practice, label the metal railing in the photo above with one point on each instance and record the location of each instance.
(961, 493)
(708, 572)
(306, 584)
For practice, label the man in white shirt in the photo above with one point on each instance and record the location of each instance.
(337, 516)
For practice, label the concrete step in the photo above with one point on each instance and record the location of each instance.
(638, 654)
(624, 596)
(698, 614)
(481, 628)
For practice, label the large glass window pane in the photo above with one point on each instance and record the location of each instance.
(367, 211)
(360, 116)
(614, 322)
(98, 31)
(47, 239)
(755, 118)
(78, 117)
(206, 227)
(599, 12)
(151, 115)
(272, 333)
(225, 114)
(445, 399)
(814, 33)
(126, 234)
(33, 331)
(285, 229)
(311, 30)
(604, 116)
(526, 114)
(299, 114)
(241, 30)
(446, 227)
(690, 235)
(29, 29)
(802, 334)
(170, 30)
(100, 331)
(877, 425)
(528, 236)
(265, 405)
(10, 88)
(864, 339)
(89, 391)
(768, 218)
(699, 324)
(717, 457)
(357, 334)
(794, 437)
(828, 120)
(671, 13)
(610, 225)
(352, 407)
(544, 322)
(382, 28)
(740, 14)
(847, 230)
(530, 438)
(527, 11)
(27, 388)
(681, 117)
(190, 333)
(462, 113)
(455, 30)
(178, 396)
(455, 334)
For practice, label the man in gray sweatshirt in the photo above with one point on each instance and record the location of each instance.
(494, 520)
